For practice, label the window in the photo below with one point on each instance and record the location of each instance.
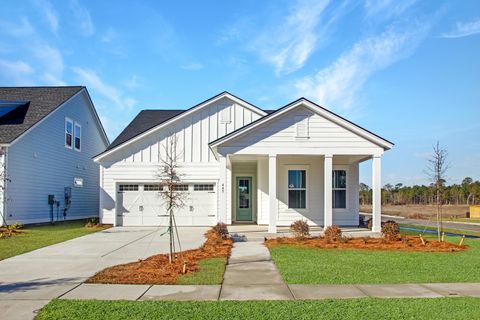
(301, 126)
(128, 187)
(68, 133)
(203, 187)
(225, 114)
(180, 187)
(339, 191)
(78, 136)
(152, 187)
(297, 189)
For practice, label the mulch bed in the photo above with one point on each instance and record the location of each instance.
(7, 233)
(405, 243)
(157, 269)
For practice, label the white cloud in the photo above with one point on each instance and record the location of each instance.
(16, 72)
(192, 66)
(387, 8)
(83, 19)
(132, 82)
(464, 29)
(90, 79)
(338, 84)
(50, 14)
(24, 28)
(291, 42)
(109, 35)
(51, 61)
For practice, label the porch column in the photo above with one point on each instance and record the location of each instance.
(222, 190)
(327, 191)
(272, 193)
(377, 193)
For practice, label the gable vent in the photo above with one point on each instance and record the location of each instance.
(301, 126)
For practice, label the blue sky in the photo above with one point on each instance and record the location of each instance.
(407, 70)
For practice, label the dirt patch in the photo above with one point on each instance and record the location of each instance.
(405, 243)
(157, 270)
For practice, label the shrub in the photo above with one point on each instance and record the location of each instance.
(370, 223)
(333, 233)
(92, 223)
(221, 230)
(15, 226)
(300, 229)
(390, 230)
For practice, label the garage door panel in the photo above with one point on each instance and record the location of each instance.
(142, 205)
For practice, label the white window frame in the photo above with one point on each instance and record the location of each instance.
(346, 169)
(302, 120)
(307, 186)
(74, 136)
(200, 187)
(68, 120)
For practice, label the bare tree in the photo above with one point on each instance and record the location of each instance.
(170, 178)
(3, 185)
(437, 166)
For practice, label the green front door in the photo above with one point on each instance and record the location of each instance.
(244, 199)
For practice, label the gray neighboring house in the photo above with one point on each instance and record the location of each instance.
(48, 136)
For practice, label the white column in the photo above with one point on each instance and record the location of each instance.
(222, 190)
(228, 191)
(377, 193)
(327, 191)
(272, 193)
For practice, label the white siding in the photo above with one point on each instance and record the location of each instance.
(279, 136)
(140, 161)
(39, 165)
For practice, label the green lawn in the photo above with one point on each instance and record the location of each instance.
(41, 236)
(334, 266)
(367, 308)
(210, 272)
(434, 228)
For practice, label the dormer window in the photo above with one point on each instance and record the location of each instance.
(68, 133)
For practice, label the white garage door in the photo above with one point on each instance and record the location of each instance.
(140, 204)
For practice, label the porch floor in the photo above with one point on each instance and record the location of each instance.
(254, 232)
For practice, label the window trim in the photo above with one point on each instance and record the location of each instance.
(181, 184)
(199, 187)
(307, 187)
(347, 189)
(68, 120)
(74, 136)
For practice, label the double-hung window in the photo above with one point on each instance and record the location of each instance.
(77, 137)
(297, 189)
(68, 133)
(339, 189)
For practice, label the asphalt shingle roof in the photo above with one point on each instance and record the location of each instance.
(40, 102)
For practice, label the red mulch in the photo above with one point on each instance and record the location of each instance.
(157, 269)
(405, 243)
(6, 233)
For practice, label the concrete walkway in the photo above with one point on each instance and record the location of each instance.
(31, 280)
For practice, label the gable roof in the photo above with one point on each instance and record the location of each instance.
(144, 121)
(148, 121)
(35, 103)
(385, 144)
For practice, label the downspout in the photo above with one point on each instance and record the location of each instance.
(3, 152)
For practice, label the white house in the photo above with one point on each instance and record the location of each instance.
(242, 164)
(48, 136)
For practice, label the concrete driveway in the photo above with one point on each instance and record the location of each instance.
(30, 280)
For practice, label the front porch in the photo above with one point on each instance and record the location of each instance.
(269, 192)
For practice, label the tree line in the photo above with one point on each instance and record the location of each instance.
(466, 193)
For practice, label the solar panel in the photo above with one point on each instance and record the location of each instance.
(9, 106)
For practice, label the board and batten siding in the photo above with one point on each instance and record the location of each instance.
(279, 136)
(139, 161)
(39, 164)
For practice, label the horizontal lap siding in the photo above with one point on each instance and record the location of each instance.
(139, 161)
(39, 165)
(279, 133)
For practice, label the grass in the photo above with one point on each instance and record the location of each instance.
(367, 308)
(38, 236)
(335, 266)
(430, 235)
(210, 271)
(470, 220)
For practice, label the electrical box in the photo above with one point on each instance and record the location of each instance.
(51, 199)
(68, 196)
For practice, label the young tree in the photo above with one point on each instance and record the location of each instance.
(437, 166)
(3, 183)
(170, 178)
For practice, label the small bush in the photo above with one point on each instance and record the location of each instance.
(300, 229)
(333, 233)
(92, 223)
(390, 230)
(221, 230)
(15, 226)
